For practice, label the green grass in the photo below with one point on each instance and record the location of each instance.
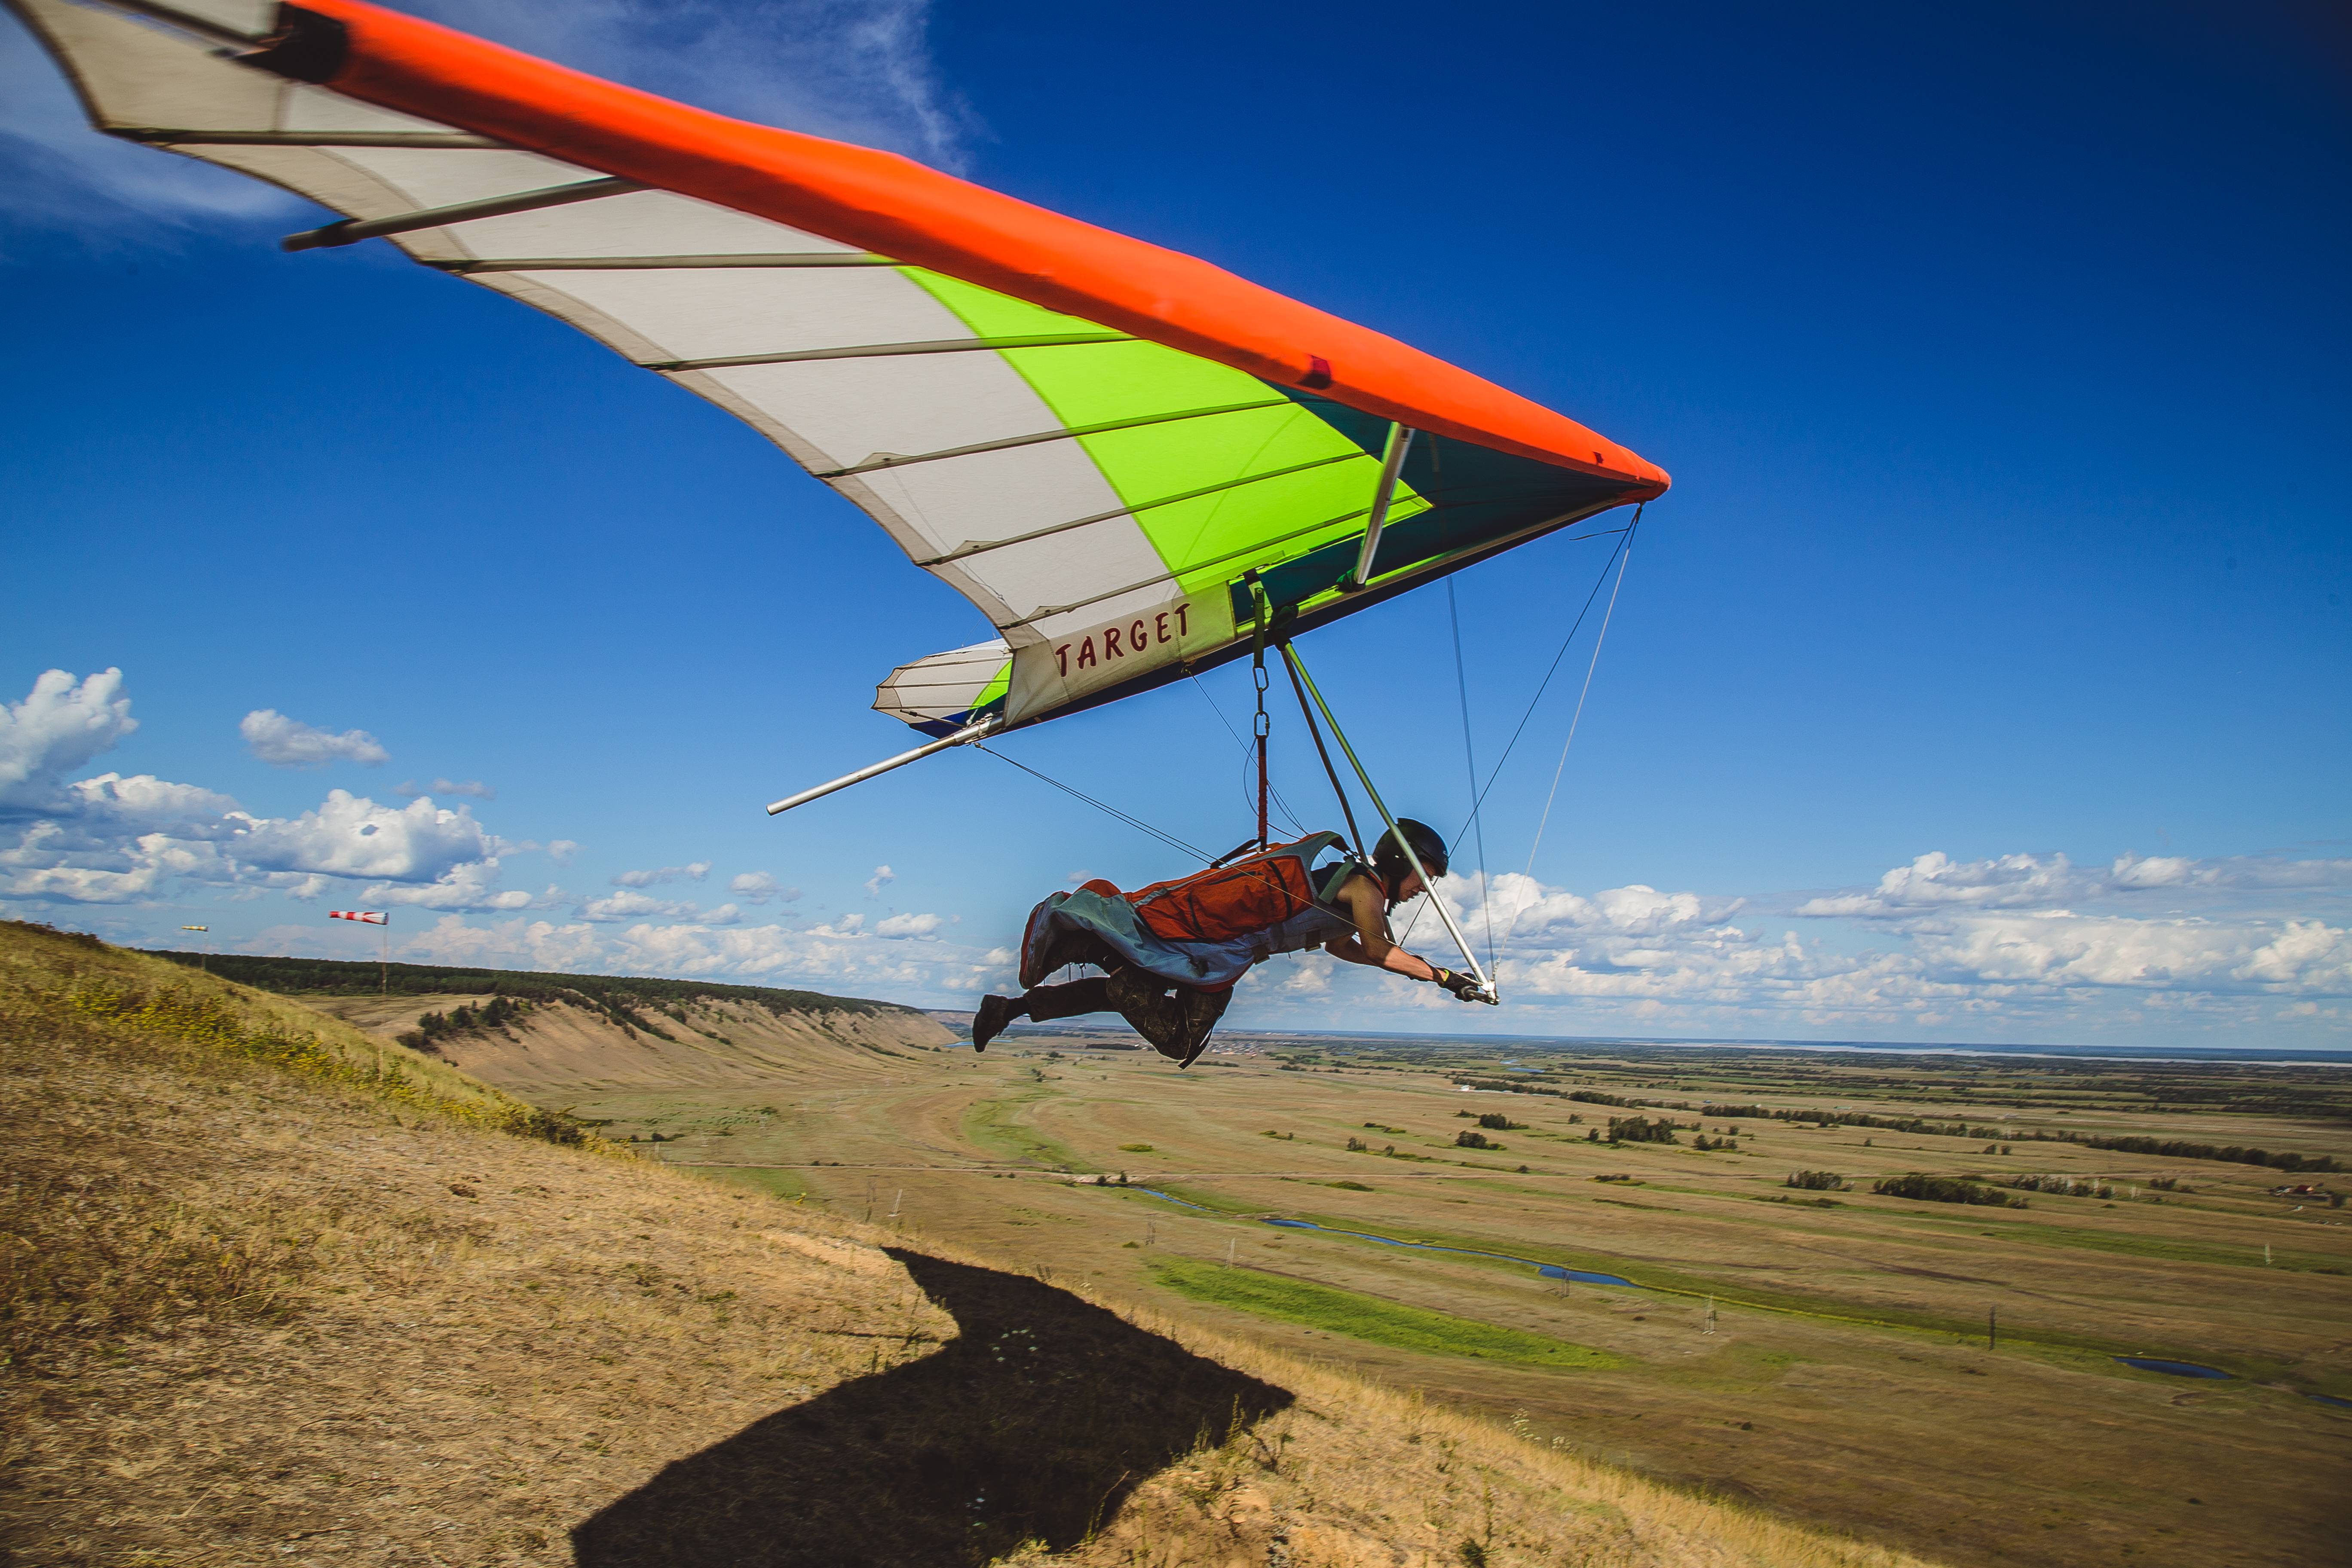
(1368, 1317)
(990, 1124)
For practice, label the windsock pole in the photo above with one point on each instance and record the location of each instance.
(384, 958)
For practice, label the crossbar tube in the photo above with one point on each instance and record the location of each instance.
(979, 731)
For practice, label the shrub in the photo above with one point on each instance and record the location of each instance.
(2072, 1186)
(1499, 1122)
(1944, 1190)
(1135, 1149)
(1466, 1139)
(1817, 1180)
(1640, 1129)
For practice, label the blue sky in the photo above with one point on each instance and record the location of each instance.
(1983, 678)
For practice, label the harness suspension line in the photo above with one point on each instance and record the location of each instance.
(1281, 805)
(1299, 669)
(1355, 834)
(1260, 727)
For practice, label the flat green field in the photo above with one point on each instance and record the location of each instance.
(1935, 1375)
(1366, 1318)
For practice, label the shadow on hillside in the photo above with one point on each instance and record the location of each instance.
(957, 1458)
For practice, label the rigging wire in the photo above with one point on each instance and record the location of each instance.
(1137, 822)
(1625, 559)
(1624, 536)
(1470, 763)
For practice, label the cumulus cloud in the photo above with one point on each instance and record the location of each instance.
(60, 725)
(284, 743)
(351, 835)
(908, 925)
(506, 945)
(1935, 883)
(759, 886)
(562, 850)
(883, 876)
(660, 874)
(123, 840)
(474, 787)
(628, 904)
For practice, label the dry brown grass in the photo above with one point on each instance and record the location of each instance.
(262, 1305)
(1357, 1475)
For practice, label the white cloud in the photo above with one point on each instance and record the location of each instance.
(629, 904)
(655, 878)
(351, 835)
(883, 876)
(859, 71)
(506, 945)
(909, 925)
(1936, 881)
(759, 886)
(58, 165)
(474, 787)
(58, 726)
(562, 850)
(284, 743)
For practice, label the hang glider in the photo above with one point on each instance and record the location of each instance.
(1123, 456)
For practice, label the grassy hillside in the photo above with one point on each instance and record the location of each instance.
(265, 1295)
(624, 996)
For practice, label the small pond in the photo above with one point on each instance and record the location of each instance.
(2176, 1368)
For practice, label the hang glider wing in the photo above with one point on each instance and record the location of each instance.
(1107, 446)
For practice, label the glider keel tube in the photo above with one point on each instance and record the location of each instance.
(963, 737)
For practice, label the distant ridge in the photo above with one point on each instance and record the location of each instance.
(345, 977)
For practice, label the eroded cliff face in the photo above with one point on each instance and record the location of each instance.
(704, 1042)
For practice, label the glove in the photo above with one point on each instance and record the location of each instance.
(1466, 987)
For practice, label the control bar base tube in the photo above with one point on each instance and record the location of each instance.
(1299, 668)
(963, 737)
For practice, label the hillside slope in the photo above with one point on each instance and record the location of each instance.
(267, 1296)
(553, 1033)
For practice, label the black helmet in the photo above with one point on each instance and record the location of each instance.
(1389, 859)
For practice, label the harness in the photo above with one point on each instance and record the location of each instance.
(1276, 887)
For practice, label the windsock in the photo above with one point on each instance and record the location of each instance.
(365, 917)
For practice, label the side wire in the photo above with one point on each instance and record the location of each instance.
(1470, 763)
(1137, 822)
(1625, 559)
(1624, 536)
